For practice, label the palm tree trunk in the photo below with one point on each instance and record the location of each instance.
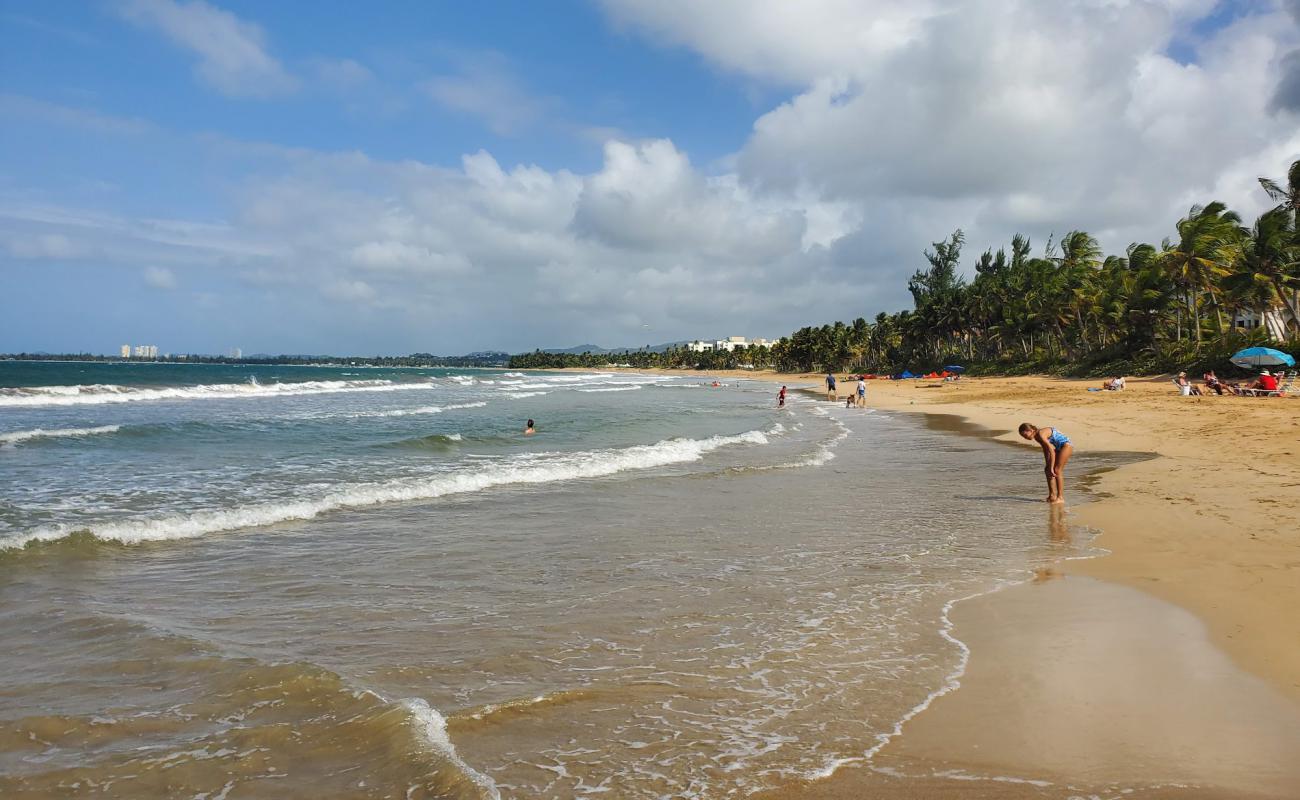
(1196, 314)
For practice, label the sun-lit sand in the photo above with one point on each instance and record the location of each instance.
(1190, 686)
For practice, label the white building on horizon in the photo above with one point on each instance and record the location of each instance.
(730, 344)
(144, 351)
(126, 351)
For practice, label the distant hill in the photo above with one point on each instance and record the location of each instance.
(596, 349)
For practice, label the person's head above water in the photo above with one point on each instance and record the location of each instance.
(1028, 431)
(530, 423)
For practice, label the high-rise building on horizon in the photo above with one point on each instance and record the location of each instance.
(126, 351)
(144, 351)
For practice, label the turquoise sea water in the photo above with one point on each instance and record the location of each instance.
(346, 582)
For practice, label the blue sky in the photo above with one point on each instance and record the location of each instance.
(449, 177)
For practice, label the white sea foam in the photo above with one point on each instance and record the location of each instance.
(407, 412)
(433, 726)
(98, 394)
(14, 437)
(527, 469)
(512, 375)
(524, 395)
(631, 388)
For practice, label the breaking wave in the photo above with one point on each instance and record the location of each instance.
(524, 470)
(98, 394)
(14, 437)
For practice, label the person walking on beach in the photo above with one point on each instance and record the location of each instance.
(530, 429)
(830, 387)
(780, 398)
(1056, 453)
(862, 392)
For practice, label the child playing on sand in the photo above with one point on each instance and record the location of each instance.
(1056, 453)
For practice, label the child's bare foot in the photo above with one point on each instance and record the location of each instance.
(1057, 500)
(1051, 498)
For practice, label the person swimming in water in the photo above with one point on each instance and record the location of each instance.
(1057, 450)
(530, 430)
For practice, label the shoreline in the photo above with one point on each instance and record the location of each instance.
(1194, 540)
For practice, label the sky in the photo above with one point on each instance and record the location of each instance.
(410, 176)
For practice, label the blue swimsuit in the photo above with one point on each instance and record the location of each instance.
(1058, 439)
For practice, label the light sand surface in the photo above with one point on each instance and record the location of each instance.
(1086, 682)
(1084, 688)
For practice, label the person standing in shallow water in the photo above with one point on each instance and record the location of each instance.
(780, 398)
(529, 430)
(830, 387)
(1057, 450)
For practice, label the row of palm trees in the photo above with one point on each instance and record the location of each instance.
(1071, 308)
(1074, 308)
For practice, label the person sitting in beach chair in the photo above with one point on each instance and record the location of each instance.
(1185, 387)
(1264, 386)
(1213, 384)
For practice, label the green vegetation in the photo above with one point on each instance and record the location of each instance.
(1070, 310)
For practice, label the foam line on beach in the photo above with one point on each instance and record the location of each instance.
(14, 437)
(528, 470)
(100, 394)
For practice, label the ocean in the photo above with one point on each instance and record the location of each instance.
(255, 581)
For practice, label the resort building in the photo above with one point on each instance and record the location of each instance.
(126, 351)
(730, 344)
(1274, 321)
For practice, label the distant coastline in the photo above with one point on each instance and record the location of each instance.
(415, 360)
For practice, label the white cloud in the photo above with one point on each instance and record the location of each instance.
(19, 106)
(342, 74)
(41, 246)
(232, 53)
(993, 115)
(160, 278)
(484, 87)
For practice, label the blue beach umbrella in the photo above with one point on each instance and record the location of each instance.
(1262, 357)
(955, 368)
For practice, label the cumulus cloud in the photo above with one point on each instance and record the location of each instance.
(232, 53)
(994, 115)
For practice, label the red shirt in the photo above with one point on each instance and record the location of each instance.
(1268, 383)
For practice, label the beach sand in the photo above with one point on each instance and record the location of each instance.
(1189, 687)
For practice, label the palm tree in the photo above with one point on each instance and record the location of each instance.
(1265, 265)
(1199, 258)
(1287, 197)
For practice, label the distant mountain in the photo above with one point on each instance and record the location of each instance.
(596, 349)
(582, 348)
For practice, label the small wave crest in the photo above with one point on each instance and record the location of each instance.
(433, 727)
(99, 394)
(407, 412)
(528, 470)
(14, 437)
